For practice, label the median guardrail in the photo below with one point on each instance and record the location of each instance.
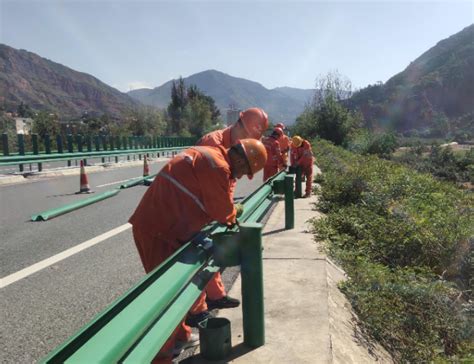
(136, 326)
(81, 148)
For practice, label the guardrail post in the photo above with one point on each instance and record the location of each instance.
(59, 143)
(5, 144)
(103, 142)
(47, 144)
(89, 143)
(289, 203)
(298, 181)
(21, 148)
(79, 142)
(252, 284)
(70, 147)
(96, 143)
(34, 141)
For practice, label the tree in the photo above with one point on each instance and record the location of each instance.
(45, 123)
(190, 111)
(146, 120)
(332, 85)
(325, 116)
(24, 111)
(179, 100)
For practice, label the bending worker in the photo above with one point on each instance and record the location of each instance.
(191, 190)
(251, 124)
(275, 158)
(284, 145)
(302, 156)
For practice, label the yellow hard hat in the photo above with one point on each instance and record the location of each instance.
(297, 141)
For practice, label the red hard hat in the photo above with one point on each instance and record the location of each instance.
(256, 155)
(278, 131)
(280, 125)
(254, 121)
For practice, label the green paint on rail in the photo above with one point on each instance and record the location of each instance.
(49, 214)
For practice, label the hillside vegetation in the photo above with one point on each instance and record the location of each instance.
(281, 104)
(42, 84)
(405, 241)
(433, 96)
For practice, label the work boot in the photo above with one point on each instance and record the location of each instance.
(179, 346)
(195, 320)
(224, 302)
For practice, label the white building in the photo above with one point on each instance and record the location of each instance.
(23, 125)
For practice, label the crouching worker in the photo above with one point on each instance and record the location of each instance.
(302, 156)
(191, 190)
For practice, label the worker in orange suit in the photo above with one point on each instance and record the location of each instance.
(275, 158)
(284, 145)
(302, 156)
(198, 179)
(251, 124)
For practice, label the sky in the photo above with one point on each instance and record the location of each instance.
(132, 44)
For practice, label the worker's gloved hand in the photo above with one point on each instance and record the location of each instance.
(239, 208)
(203, 241)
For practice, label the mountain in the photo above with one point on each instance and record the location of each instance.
(435, 92)
(281, 104)
(43, 84)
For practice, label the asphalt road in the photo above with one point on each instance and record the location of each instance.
(40, 311)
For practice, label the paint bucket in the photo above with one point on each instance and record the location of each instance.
(226, 249)
(215, 338)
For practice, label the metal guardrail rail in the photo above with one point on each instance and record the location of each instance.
(136, 325)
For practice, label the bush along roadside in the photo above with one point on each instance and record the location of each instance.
(406, 242)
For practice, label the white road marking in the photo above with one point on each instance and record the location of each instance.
(114, 183)
(61, 256)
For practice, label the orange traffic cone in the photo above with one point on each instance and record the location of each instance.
(85, 188)
(146, 169)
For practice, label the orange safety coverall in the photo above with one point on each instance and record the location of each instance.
(192, 190)
(285, 147)
(303, 157)
(274, 157)
(215, 289)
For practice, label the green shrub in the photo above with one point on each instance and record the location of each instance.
(401, 236)
(411, 312)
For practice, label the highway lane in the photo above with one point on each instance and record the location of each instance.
(41, 311)
(25, 242)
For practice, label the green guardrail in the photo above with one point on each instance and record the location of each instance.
(136, 326)
(49, 214)
(31, 144)
(35, 158)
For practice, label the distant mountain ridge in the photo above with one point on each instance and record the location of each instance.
(44, 84)
(435, 89)
(282, 103)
